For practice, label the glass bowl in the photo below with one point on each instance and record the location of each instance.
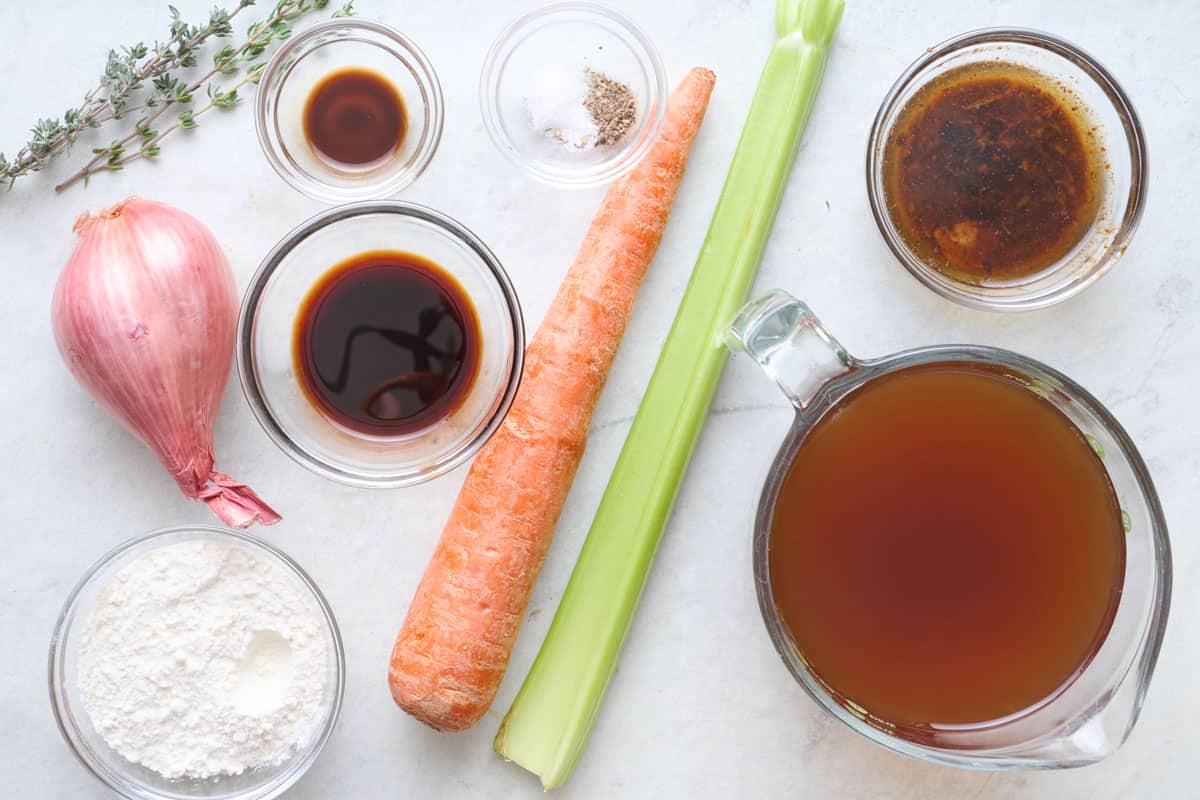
(1121, 145)
(134, 781)
(301, 63)
(568, 36)
(265, 335)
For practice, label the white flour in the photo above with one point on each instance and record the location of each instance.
(204, 659)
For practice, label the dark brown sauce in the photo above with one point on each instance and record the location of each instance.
(946, 549)
(386, 343)
(354, 118)
(991, 173)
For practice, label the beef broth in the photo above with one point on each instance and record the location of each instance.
(946, 548)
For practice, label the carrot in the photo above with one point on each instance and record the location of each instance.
(454, 647)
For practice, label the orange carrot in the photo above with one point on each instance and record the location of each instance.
(454, 647)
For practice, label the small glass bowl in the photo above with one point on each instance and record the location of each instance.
(1121, 145)
(571, 35)
(302, 62)
(267, 323)
(134, 781)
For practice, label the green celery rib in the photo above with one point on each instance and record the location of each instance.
(548, 725)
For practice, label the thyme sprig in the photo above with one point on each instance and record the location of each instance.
(143, 81)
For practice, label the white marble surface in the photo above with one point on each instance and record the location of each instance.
(701, 705)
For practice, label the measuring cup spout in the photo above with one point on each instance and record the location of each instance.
(788, 341)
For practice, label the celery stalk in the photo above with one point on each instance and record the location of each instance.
(548, 724)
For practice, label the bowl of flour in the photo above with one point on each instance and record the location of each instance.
(196, 662)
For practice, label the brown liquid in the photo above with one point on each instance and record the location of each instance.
(946, 548)
(386, 343)
(990, 173)
(354, 117)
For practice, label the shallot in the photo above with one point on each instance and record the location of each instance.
(145, 314)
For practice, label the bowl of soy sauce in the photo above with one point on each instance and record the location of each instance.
(349, 110)
(380, 344)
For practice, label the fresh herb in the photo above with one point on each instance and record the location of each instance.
(142, 83)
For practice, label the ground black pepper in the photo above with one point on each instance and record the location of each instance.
(612, 106)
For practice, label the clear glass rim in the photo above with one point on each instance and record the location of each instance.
(247, 366)
(272, 81)
(489, 105)
(1134, 204)
(56, 667)
(964, 756)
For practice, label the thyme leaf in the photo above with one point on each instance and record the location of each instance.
(147, 79)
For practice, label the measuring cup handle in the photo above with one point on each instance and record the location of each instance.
(787, 340)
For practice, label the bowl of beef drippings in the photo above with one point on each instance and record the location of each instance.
(1006, 169)
(380, 344)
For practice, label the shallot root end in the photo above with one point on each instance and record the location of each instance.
(235, 503)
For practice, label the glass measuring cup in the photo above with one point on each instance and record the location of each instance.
(1093, 714)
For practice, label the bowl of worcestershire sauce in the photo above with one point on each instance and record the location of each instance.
(354, 120)
(380, 344)
(1006, 169)
(349, 110)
